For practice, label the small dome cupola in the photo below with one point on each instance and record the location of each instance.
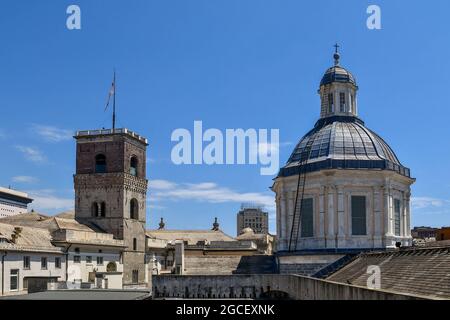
(338, 91)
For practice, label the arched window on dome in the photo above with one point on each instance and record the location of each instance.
(134, 166)
(352, 104)
(134, 209)
(100, 163)
(330, 103)
(342, 102)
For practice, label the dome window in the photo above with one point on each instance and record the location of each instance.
(330, 103)
(359, 216)
(352, 103)
(307, 220)
(397, 217)
(342, 102)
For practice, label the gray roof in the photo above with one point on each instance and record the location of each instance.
(419, 271)
(342, 142)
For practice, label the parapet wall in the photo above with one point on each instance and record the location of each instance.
(265, 286)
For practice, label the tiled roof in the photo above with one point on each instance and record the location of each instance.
(26, 238)
(66, 230)
(51, 223)
(66, 214)
(72, 224)
(424, 271)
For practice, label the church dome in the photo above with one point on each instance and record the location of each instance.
(337, 74)
(342, 142)
(339, 139)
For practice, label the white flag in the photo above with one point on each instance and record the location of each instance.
(112, 91)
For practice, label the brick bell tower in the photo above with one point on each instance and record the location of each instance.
(111, 190)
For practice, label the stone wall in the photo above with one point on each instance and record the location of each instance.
(214, 265)
(261, 286)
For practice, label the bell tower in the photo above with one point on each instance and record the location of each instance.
(111, 190)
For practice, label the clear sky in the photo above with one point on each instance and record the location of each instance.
(230, 63)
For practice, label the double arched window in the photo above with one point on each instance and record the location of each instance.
(134, 166)
(98, 209)
(100, 163)
(134, 209)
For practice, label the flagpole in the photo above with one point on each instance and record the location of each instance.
(114, 104)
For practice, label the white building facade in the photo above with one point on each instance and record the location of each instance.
(28, 260)
(349, 188)
(13, 202)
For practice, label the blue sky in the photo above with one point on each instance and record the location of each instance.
(232, 64)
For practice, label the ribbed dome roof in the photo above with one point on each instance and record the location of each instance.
(342, 142)
(337, 74)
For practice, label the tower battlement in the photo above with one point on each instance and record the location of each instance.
(107, 132)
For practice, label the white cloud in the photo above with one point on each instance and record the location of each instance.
(161, 184)
(46, 199)
(25, 179)
(52, 134)
(427, 202)
(207, 192)
(155, 207)
(32, 154)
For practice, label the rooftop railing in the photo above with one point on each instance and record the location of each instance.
(102, 132)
